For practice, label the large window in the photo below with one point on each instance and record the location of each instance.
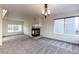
(14, 28)
(67, 26)
(58, 24)
(70, 26)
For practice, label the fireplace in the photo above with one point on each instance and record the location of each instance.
(35, 32)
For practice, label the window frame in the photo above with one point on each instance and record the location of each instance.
(54, 29)
(13, 30)
(64, 25)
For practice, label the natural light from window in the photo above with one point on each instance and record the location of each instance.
(67, 26)
(14, 28)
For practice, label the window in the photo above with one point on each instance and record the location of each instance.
(70, 25)
(14, 28)
(59, 23)
(67, 26)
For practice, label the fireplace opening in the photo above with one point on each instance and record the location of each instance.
(35, 32)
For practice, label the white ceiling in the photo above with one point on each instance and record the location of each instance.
(36, 9)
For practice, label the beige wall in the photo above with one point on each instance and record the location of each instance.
(48, 25)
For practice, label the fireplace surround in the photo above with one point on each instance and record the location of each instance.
(35, 32)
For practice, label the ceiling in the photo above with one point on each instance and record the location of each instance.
(36, 9)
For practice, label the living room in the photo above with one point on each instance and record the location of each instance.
(28, 23)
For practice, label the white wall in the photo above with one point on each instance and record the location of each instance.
(27, 23)
(0, 26)
(46, 28)
(5, 25)
(48, 25)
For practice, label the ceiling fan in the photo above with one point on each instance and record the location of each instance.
(46, 12)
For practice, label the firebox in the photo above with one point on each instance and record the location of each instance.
(35, 32)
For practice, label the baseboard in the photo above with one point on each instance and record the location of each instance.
(13, 35)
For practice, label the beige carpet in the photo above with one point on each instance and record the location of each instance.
(25, 45)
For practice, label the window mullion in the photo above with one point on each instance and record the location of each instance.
(64, 25)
